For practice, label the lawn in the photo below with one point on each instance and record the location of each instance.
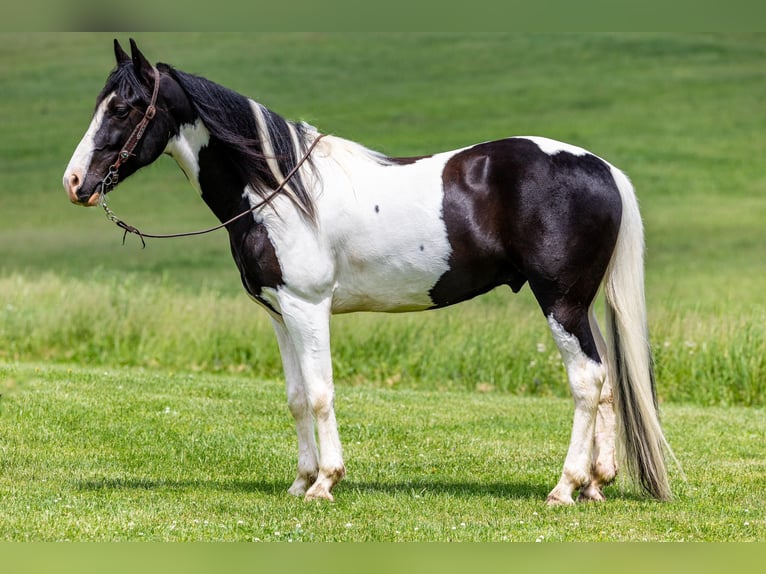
(131, 454)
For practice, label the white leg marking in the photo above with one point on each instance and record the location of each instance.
(308, 327)
(604, 463)
(308, 456)
(585, 380)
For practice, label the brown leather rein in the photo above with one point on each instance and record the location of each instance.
(110, 180)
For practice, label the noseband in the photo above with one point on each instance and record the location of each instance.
(110, 179)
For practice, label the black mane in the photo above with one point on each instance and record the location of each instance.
(124, 81)
(229, 117)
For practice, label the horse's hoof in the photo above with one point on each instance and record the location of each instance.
(301, 485)
(318, 493)
(591, 494)
(297, 489)
(556, 499)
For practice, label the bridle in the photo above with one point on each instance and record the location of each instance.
(110, 180)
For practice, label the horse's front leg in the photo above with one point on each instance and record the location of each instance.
(297, 401)
(307, 326)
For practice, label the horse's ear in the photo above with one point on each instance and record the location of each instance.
(119, 53)
(141, 65)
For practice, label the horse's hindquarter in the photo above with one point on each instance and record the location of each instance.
(526, 208)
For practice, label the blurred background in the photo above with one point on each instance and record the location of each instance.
(681, 114)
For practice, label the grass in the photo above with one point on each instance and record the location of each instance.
(132, 454)
(139, 394)
(125, 322)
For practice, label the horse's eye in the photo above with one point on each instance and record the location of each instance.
(121, 112)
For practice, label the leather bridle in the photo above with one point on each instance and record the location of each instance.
(110, 179)
(127, 228)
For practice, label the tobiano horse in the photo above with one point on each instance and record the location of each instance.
(333, 227)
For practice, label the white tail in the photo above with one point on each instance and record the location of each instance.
(630, 358)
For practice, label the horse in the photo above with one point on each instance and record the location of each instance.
(319, 224)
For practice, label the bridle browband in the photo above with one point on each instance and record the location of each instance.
(110, 180)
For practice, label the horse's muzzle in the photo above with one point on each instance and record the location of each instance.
(73, 185)
(86, 201)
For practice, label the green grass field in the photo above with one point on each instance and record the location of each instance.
(132, 454)
(82, 318)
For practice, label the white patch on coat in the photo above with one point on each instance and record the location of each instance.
(552, 147)
(586, 378)
(582, 370)
(83, 154)
(185, 148)
(380, 242)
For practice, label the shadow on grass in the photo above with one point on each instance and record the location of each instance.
(460, 489)
(503, 490)
(420, 488)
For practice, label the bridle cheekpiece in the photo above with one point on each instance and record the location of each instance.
(110, 179)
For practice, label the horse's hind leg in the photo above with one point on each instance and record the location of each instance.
(571, 330)
(604, 463)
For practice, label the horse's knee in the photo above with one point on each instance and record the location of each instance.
(297, 402)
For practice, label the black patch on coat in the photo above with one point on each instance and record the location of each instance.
(222, 188)
(515, 214)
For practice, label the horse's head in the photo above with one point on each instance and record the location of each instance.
(137, 112)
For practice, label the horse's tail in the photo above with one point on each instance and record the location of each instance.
(629, 354)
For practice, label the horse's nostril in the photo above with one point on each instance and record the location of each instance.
(72, 184)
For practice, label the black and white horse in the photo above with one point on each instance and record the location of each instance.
(354, 230)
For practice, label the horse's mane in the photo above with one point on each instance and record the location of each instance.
(263, 145)
(123, 80)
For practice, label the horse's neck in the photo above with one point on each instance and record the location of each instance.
(210, 169)
(185, 149)
(228, 182)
